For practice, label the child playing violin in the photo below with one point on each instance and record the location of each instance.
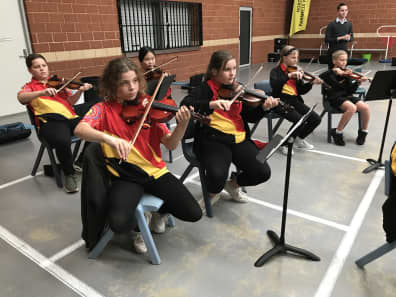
(227, 137)
(142, 168)
(54, 114)
(340, 95)
(287, 83)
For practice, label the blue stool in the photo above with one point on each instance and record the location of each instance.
(148, 203)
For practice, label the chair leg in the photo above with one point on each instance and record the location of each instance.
(57, 173)
(38, 159)
(269, 124)
(147, 237)
(382, 250)
(170, 157)
(186, 172)
(277, 125)
(322, 114)
(208, 204)
(329, 127)
(76, 149)
(254, 127)
(99, 247)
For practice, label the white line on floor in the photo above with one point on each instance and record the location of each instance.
(302, 215)
(3, 186)
(338, 156)
(328, 282)
(292, 212)
(58, 272)
(66, 251)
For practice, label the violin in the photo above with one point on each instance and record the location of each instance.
(251, 97)
(156, 72)
(161, 111)
(143, 117)
(309, 77)
(55, 82)
(347, 72)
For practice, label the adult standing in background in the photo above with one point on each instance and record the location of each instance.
(338, 33)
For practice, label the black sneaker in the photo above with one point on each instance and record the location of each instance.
(361, 137)
(337, 137)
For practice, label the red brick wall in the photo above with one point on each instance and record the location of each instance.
(366, 17)
(67, 25)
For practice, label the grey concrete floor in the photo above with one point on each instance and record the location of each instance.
(41, 252)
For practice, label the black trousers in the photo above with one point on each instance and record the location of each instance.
(124, 196)
(294, 116)
(216, 158)
(58, 133)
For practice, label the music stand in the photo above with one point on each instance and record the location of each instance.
(382, 87)
(280, 247)
(165, 85)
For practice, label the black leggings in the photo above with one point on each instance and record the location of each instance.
(294, 116)
(124, 196)
(216, 158)
(58, 135)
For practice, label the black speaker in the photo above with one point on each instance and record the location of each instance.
(279, 43)
(273, 57)
(393, 61)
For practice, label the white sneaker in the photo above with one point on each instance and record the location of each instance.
(302, 144)
(236, 194)
(157, 223)
(283, 150)
(139, 245)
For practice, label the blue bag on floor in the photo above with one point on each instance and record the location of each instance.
(14, 131)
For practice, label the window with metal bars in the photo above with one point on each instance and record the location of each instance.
(159, 24)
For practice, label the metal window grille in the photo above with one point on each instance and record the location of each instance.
(159, 24)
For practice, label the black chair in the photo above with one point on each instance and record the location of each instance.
(44, 145)
(330, 111)
(266, 87)
(188, 152)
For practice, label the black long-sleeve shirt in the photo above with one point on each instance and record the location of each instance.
(340, 86)
(200, 98)
(336, 29)
(278, 78)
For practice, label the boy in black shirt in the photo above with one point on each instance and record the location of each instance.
(340, 95)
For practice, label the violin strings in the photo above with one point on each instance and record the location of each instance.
(68, 82)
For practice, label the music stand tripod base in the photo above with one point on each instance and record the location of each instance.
(280, 247)
(283, 248)
(374, 165)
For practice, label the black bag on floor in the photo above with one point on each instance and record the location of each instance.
(14, 131)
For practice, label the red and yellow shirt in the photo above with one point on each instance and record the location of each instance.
(289, 87)
(146, 152)
(229, 122)
(45, 107)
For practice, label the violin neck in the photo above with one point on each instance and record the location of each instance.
(255, 94)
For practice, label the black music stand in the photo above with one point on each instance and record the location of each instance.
(382, 87)
(280, 247)
(165, 85)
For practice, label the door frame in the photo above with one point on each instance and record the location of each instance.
(25, 26)
(250, 9)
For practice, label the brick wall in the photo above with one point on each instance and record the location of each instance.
(365, 15)
(65, 26)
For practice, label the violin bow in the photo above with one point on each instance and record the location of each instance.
(68, 82)
(243, 87)
(146, 111)
(163, 64)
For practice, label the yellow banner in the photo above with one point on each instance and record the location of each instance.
(299, 16)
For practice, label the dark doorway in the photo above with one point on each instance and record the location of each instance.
(245, 26)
